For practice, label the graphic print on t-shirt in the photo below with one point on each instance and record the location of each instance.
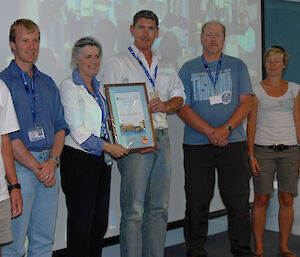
(203, 88)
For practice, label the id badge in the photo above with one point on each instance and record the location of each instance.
(36, 134)
(216, 99)
(153, 94)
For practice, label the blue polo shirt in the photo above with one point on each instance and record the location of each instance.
(233, 81)
(49, 110)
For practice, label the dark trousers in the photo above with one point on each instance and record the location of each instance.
(85, 181)
(200, 162)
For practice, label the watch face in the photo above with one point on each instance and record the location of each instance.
(228, 127)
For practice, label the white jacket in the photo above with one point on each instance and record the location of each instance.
(82, 113)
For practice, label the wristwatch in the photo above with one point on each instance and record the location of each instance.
(11, 187)
(55, 159)
(229, 128)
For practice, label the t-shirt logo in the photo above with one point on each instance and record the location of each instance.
(203, 88)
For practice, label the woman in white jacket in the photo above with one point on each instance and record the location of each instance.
(85, 176)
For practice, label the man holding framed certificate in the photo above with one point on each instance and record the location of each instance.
(145, 175)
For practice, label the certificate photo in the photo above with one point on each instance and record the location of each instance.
(131, 120)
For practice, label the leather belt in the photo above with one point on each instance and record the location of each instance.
(278, 147)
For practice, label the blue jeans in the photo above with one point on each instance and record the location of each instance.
(38, 216)
(145, 186)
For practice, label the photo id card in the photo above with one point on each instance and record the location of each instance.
(36, 134)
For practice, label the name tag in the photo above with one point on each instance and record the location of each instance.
(224, 98)
(36, 134)
(216, 99)
(153, 94)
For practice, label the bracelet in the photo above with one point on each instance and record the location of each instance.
(251, 158)
(12, 187)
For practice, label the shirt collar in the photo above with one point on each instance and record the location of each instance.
(156, 55)
(16, 69)
(78, 80)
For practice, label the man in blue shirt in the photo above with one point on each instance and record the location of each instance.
(38, 144)
(218, 92)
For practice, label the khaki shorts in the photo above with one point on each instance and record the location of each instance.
(283, 163)
(5, 222)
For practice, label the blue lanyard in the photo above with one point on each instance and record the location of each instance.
(214, 81)
(144, 68)
(31, 97)
(101, 102)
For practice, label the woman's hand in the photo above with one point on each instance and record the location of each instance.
(115, 150)
(254, 166)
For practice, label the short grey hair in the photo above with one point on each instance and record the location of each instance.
(214, 22)
(79, 45)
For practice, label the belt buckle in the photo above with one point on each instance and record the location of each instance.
(278, 147)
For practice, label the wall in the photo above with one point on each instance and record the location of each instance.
(282, 27)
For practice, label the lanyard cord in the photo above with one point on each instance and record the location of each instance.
(214, 81)
(31, 97)
(144, 68)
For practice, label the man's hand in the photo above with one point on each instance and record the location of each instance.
(50, 183)
(219, 136)
(16, 202)
(156, 105)
(47, 172)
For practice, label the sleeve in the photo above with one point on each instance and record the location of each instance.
(93, 145)
(8, 118)
(73, 115)
(176, 86)
(185, 78)
(245, 86)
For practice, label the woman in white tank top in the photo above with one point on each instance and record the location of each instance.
(273, 132)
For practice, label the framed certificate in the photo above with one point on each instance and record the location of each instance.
(132, 125)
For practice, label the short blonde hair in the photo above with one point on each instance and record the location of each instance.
(28, 24)
(277, 50)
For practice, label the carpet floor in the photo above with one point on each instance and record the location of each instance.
(218, 246)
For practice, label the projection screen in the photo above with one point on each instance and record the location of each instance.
(62, 22)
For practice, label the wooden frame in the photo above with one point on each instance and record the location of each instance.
(131, 119)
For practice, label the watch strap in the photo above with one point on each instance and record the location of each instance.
(229, 128)
(55, 159)
(12, 187)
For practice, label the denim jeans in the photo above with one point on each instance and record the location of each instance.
(145, 186)
(38, 216)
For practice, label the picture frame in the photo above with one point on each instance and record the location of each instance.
(131, 120)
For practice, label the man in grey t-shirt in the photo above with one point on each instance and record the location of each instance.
(218, 92)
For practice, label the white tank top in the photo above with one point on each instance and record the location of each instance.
(275, 117)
